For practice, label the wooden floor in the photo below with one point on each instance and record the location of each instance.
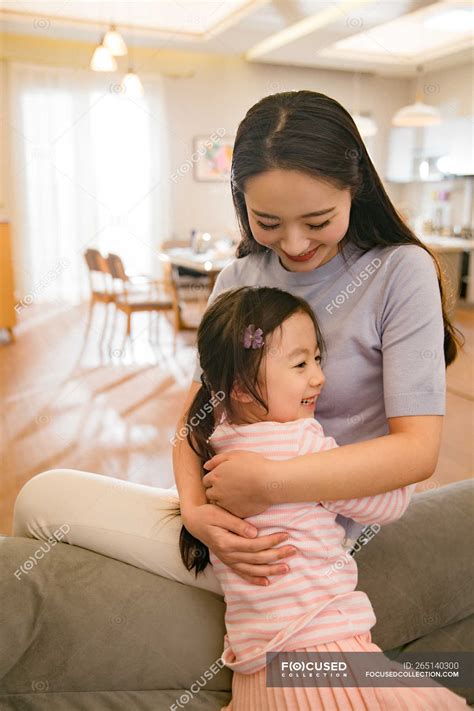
(84, 403)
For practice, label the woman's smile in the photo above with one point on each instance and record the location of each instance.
(305, 257)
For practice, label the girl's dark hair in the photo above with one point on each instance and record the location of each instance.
(312, 133)
(227, 364)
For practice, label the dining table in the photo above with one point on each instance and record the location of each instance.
(210, 262)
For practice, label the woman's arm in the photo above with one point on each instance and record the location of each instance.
(408, 454)
(186, 464)
(405, 456)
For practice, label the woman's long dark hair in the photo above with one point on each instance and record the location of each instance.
(312, 133)
(226, 365)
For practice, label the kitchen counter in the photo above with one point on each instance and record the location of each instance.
(449, 251)
(447, 245)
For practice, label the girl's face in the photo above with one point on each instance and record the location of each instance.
(291, 377)
(281, 206)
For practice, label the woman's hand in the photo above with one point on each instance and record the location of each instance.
(239, 482)
(236, 543)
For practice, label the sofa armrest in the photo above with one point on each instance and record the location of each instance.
(418, 571)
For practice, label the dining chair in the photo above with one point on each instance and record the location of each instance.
(101, 292)
(98, 272)
(158, 297)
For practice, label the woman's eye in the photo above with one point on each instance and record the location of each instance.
(266, 227)
(300, 364)
(319, 227)
(318, 359)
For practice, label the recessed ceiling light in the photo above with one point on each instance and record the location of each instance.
(460, 20)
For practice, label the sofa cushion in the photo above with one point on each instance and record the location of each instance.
(115, 701)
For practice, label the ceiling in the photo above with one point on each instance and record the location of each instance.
(387, 37)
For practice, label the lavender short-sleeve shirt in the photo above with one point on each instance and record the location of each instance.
(380, 315)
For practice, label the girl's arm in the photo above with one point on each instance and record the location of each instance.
(382, 508)
(408, 454)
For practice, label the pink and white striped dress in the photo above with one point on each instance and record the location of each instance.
(316, 601)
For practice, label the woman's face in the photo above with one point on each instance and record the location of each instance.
(280, 205)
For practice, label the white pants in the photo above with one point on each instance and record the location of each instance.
(120, 519)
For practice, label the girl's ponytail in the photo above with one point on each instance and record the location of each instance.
(194, 553)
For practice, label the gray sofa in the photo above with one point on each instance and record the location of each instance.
(83, 631)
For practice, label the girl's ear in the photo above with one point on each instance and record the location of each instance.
(240, 394)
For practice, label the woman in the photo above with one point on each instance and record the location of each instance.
(315, 221)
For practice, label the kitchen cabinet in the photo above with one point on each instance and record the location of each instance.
(401, 151)
(453, 138)
(461, 151)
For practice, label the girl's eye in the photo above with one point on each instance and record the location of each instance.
(319, 227)
(316, 358)
(266, 227)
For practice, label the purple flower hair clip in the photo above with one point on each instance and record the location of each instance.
(253, 338)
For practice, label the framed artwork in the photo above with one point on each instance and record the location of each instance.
(212, 158)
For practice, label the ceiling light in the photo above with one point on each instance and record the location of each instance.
(460, 20)
(102, 60)
(114, 42)
(419, 113)
(132, 86)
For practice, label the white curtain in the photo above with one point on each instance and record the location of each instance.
(89, 169)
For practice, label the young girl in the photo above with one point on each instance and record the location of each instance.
(260, 350)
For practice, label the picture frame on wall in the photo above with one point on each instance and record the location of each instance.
(214, 158)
